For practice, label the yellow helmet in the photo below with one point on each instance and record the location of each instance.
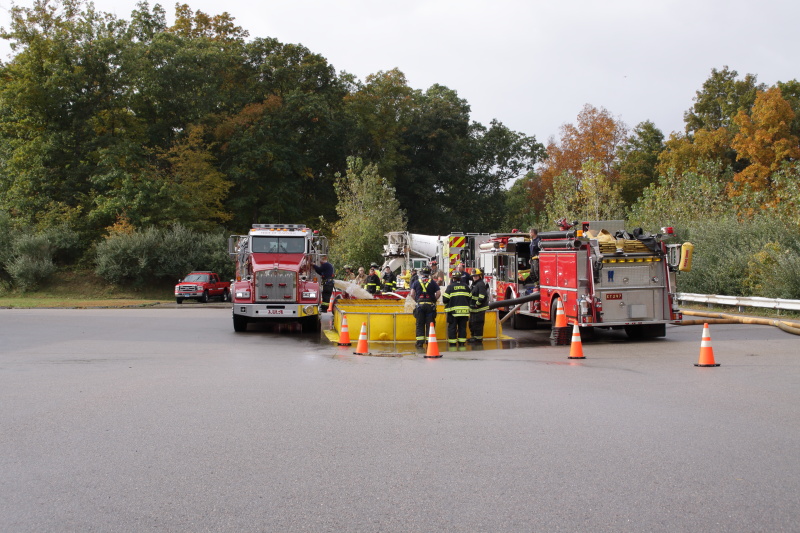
(477, 272)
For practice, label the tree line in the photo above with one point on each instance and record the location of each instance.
(111, 127)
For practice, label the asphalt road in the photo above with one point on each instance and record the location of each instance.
(167, 420)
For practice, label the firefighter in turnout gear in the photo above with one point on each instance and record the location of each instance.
(425, 292)
(478, 306)
(389, 280)
(373, 285)
(456, 300)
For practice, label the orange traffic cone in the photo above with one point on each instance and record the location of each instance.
(344, 334)
(362, 348)
(433, 346)
(576, 347)
(561, 317)
(706, 351)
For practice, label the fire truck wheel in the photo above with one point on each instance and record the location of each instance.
(519, 321)
(239, 323)
(226, 296)
(179, 300)
(646, 331)
(204, 298)
(311, 324)
(553, 308)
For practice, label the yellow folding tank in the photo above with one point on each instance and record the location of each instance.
(387, 320)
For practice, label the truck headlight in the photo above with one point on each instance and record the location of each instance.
(309, 295)
(243, 294)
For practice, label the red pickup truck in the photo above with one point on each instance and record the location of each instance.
(202, 286)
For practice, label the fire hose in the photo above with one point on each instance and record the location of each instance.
(516, 302)
(722, 318)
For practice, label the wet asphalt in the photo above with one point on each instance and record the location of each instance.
(167, 420)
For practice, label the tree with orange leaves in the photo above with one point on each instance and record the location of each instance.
(764, 140)
(595, 137)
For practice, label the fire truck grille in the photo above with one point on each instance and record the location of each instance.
(276, 285)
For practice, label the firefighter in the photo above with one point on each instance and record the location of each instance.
(425, 292)
(457, 300)
(478, 306)
(373, 284)
(325, 271)
(349, 275)
(535, 244)
(414, 278)
(389, 280)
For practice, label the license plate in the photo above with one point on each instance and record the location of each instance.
(274, 311)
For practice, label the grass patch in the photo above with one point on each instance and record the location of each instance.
(70, 289)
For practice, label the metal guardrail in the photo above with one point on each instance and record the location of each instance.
(741, 301)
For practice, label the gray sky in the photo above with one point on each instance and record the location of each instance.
(531, 64)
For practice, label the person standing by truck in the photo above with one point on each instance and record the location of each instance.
(389, 280)
(361, 278)
(373, 284)
(478, 306)
(425, 292)
(456, 299)
(535, 242)
(325, 271)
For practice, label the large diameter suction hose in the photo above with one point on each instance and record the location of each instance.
(516, 301)
(722, 318)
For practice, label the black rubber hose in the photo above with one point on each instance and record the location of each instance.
(521, 300)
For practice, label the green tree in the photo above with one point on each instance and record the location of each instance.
(367, 210)
(721, 98)
(637, 160)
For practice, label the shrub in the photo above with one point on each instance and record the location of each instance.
(144, 256)
(28, 259)
(731, 256)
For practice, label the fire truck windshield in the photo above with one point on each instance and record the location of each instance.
(278, 245)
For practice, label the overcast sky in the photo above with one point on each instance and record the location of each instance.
(530, 64)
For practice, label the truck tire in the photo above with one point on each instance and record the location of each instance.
(204, 298)
(553, 309)
(311, 324)
(646, 331)
(519, 321)
(226, 296)
(179, 300)
(239, 323)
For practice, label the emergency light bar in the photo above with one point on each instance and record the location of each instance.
(279, 226)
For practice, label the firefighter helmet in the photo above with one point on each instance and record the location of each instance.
(477, 272)
(456, 275)
(426, 271)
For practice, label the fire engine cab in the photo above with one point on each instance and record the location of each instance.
(275, 279)
(602, 275)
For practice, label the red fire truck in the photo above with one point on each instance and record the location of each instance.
(274, 275)
(602, 279)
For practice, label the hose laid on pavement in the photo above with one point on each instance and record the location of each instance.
(722, 318)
